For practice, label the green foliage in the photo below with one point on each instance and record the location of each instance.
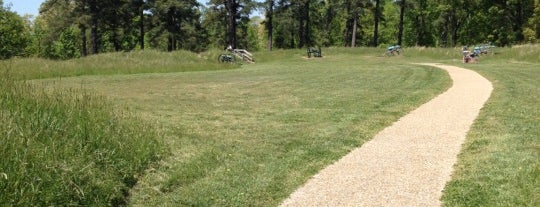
(13, 35)
(217, 22)
(177, 25)
(67, 45)
(531, 32)
(170, 25)
(67, 147)
(250, 31)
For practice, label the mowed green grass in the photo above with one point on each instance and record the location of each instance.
(499, 164)
(251, 136)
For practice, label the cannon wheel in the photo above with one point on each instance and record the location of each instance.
(222, 58)
(226, 58)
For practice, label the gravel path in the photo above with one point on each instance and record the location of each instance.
(408, 163)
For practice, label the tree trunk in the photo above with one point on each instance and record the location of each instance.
(400, 27)
(303, 26)
(307, 36)
(170, 42)
(346, 34)
(141, 27)
(444, 32)
(174, 43)
(420, 30)
(84, 51)
(171, 29)
(347, 25)
(232, 7)
(301, 33)
(455, 27)
(292, 42)
(376, 26)
(116, 40)
(94, 36)
(269, 25)
(301, 40)
(355, 22)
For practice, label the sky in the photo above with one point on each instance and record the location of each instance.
(23, 7)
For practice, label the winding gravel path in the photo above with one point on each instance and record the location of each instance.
(408, 163)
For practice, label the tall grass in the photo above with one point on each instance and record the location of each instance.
(118, 63)
(68, 148)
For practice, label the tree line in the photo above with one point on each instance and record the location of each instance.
(67, 29)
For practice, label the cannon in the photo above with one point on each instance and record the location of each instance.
(226, 58)
(231, 54)
(393, 50)
(314, 51)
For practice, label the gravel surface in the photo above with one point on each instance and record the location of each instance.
(407, 163)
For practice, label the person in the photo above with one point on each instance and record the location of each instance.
(466, 54)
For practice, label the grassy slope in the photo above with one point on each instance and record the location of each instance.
(71, 147)
(117, 63)
(68, 148)
(216, 155)
(250, 136)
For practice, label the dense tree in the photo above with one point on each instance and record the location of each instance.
(140, 6)
(13, 37)
(284, 31)
(330, 24)
(378, 16)
(531, 32)
(55, 17)
(269, 22)
(232, 7)
(355, 9)
(402, 4)
(303, 18)
(214, 22)
(420, 22)
(73, 28)
(232, 14)
(172, 14)
(451, 15)
(352, 22)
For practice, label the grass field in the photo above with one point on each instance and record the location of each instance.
(499, 164)
(69, 147)
(250, 135)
